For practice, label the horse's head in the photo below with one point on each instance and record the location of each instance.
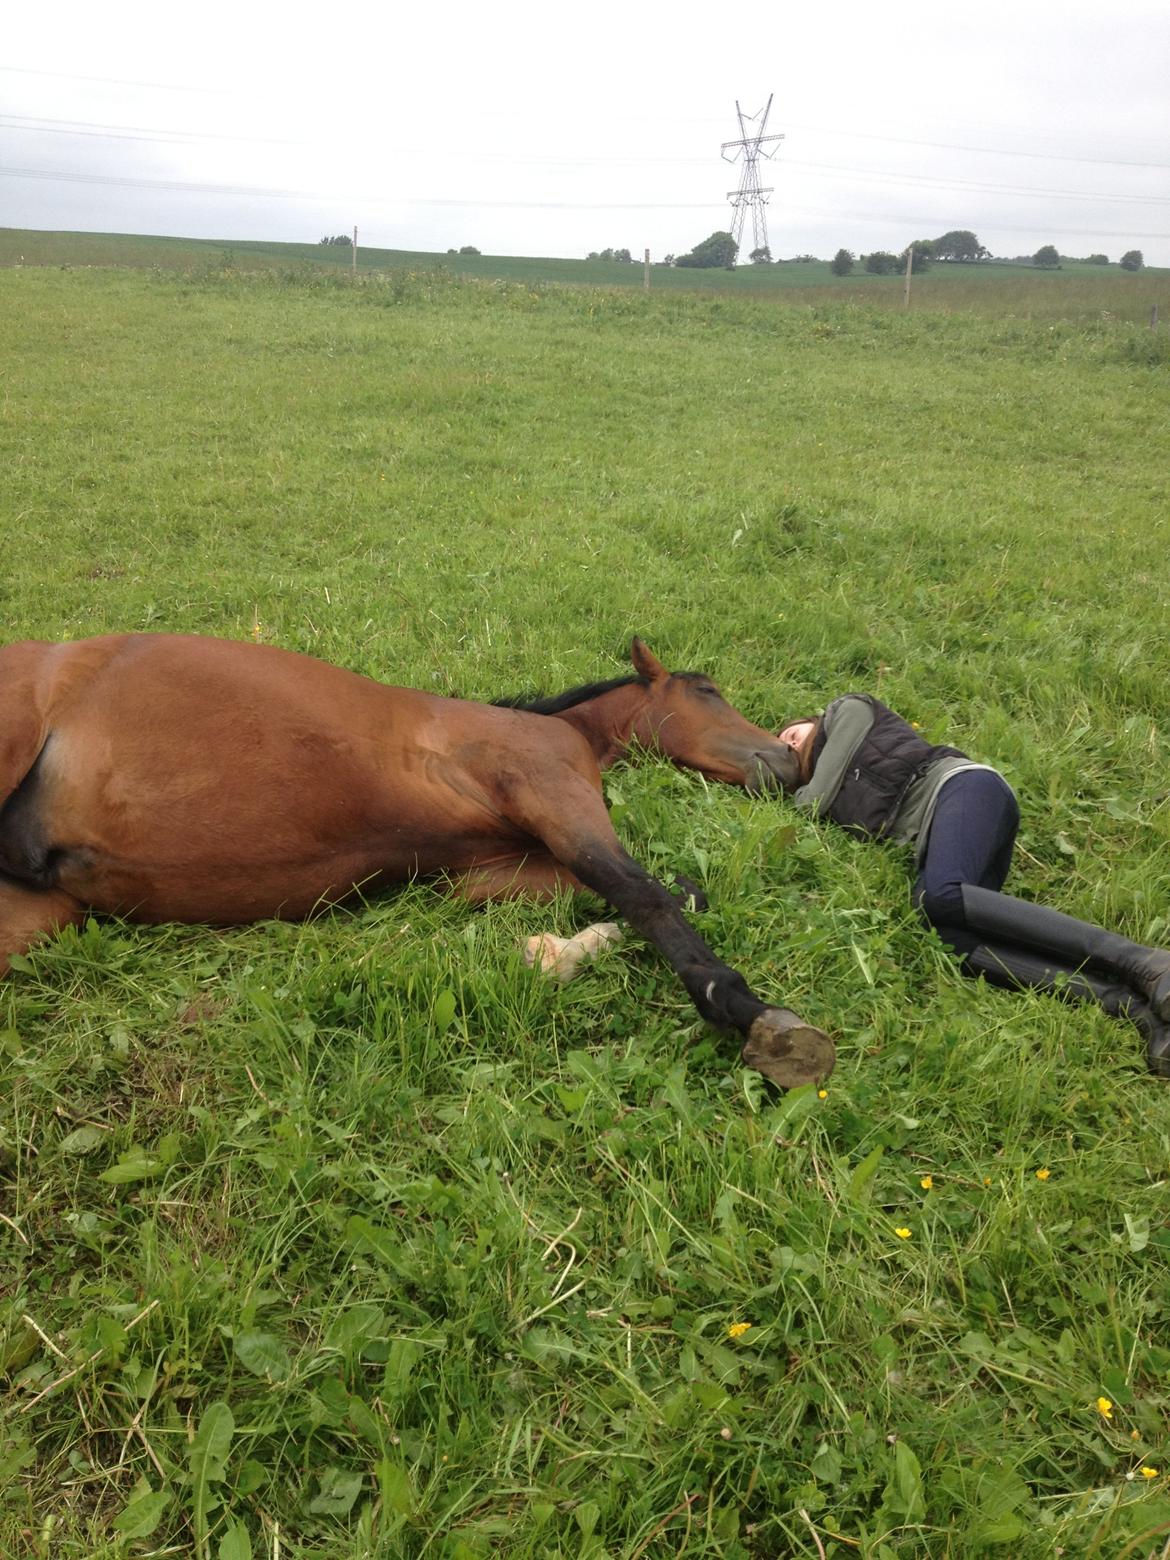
(686, 718)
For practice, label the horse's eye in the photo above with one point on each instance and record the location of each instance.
(709, 690)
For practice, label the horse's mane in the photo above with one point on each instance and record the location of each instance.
(553, 704)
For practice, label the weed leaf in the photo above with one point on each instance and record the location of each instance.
(143, 1512)
(207, 1455)
(236, 1543)
(263, 1354)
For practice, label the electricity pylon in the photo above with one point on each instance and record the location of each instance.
(750, 192)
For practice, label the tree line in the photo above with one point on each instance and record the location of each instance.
(959, 246)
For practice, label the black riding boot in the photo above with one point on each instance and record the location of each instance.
(1072, 942)
(1020, 969)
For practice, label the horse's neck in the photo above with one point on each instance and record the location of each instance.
(609, 722)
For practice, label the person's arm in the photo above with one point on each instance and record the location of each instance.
(846, 722)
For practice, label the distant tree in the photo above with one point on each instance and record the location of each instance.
(1131, 260)
(610, 254)
(1047, 257)
(961, 244)
(668, 259)
(923, 255)
(718, 250)
(842, 263)
(761, 256)
(468, 249)
(340, 239)
(880, 263)
(1097, 260)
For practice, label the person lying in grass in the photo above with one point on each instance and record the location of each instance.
(870, 771)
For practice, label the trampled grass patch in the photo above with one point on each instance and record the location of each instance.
(355, 1238)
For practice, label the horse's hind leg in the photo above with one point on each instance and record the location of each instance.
(534, 876)
(27, 914)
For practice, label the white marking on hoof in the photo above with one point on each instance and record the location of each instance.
(562, 957)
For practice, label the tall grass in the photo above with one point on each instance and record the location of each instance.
(354, 1238)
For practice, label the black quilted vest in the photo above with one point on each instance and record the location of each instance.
(891, 757)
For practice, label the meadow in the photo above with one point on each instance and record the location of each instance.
(1005, 288)
(356, 1238)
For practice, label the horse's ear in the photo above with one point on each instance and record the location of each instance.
(646, 663)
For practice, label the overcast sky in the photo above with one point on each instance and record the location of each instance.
(552, 130)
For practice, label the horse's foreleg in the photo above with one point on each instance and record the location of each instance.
(566, 812)
(777, 1042)
(27, 914)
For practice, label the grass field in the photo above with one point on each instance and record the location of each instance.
(356, 1239)
(1076, 289)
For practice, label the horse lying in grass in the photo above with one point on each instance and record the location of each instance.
(178, 778)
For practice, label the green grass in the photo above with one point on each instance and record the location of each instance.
(355, 1238)
(1076, 290)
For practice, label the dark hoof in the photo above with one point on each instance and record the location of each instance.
(787, 1050)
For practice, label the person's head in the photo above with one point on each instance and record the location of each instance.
(798, 734)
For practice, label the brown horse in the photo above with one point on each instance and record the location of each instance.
(173, 778)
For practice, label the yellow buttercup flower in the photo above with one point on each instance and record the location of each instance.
(737, 1329)
(926, 1182)
(1105, 1408)
(1149, 1473)
(902, 1234)
(1042, 1175)
(822, 1094)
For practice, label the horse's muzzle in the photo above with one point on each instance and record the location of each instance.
(774, 769)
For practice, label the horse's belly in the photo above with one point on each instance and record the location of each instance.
(240, 845)
(224, 892)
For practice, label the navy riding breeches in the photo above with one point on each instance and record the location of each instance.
(970, 841)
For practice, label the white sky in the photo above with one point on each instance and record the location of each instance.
(553, 130)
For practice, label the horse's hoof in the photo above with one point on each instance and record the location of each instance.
(787, 1050)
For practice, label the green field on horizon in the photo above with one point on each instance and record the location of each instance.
(1075, 288)
(357, 1240)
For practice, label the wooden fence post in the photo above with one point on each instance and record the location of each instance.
(646, 273)
(909, 268)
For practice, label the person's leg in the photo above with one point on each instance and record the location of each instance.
(970, 841)
(966, 861)
(1069, 941)
(1019, 969)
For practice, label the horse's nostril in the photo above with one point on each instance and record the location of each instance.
(777, 769)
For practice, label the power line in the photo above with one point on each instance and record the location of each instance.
(992, 151)
(130, 132)
(914, 179)
(85, 126)
(248, 192)
(113, 81)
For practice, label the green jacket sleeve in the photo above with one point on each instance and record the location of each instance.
(846, 723)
